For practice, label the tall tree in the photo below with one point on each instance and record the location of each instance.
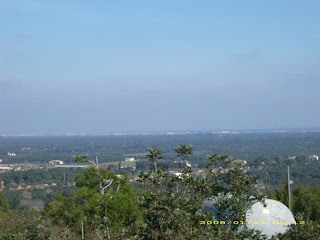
(184, 151)
(154, 156)
(106, 203)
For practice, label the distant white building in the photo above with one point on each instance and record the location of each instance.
(5, 169)
(26, 148)
(180, 175)
(314, 157)
(56, 162)
(177, 174)
(129, 159)
(292, 158)
(186, 163)
(11, 154)
(242, 162)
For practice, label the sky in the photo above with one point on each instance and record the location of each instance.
(133, 66)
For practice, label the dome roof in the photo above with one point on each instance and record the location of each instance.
(271, 217)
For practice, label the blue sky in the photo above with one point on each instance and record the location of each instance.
(125, 66)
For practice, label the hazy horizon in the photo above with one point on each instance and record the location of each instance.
(78, 66)
(170, 132)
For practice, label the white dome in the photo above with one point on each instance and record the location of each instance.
(271, 217)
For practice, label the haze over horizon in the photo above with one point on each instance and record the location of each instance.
(134, 66)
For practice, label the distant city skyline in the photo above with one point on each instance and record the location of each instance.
(139, 66)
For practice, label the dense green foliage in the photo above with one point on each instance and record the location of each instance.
(160, 205)
(304, 199)
(105, 203)
(172, 204)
